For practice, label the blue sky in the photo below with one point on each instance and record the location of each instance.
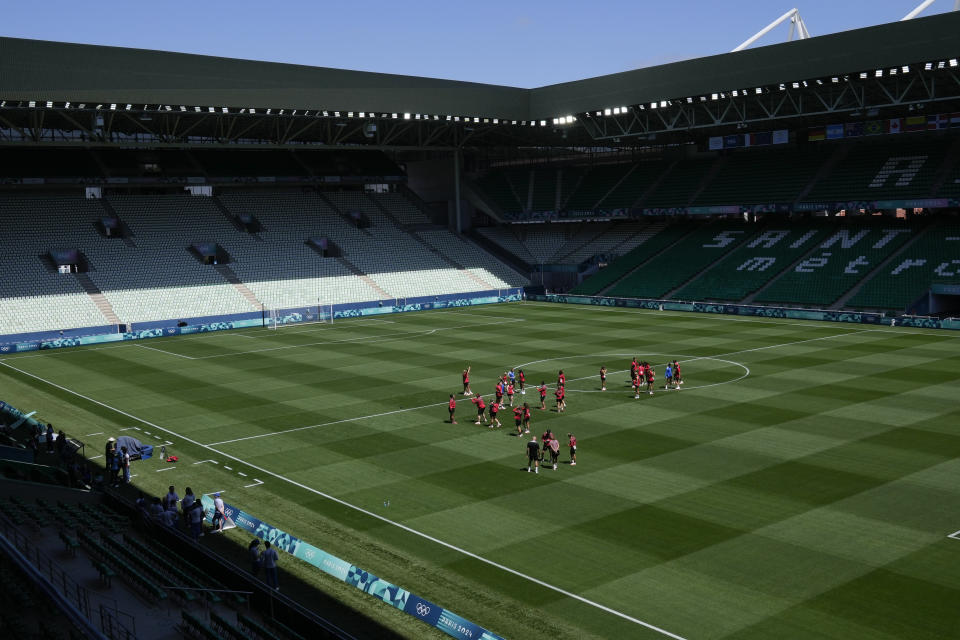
(519, 43)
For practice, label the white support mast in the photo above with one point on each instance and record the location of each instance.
(920, 8)
(797, 26)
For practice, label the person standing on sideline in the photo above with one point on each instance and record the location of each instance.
(603, 378)
(466, 382)
(187, 504)
(219, 515)
(49, 438)
(572, 441)
(196, 521)
(452, 406)
(253, 550)
(171, 499)
(109, 452)
(268, 560)
(125, 463)
(533, 455)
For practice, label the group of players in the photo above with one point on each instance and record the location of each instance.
(642, 375)
(512, 382)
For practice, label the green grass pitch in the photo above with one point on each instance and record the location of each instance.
(803, 483)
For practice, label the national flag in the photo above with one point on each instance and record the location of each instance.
(955, 120)
(895, 125)
(853, 130)
(818, 133)
(733, 140)
(834, 131)
(761, 139)
(873, 128)
(782, 136)
(915, 123)
(939, 121)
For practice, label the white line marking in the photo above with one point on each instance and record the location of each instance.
(98, 433)
(241, 473)
(217, 491)
(955, 535)
(124, 429)
(169, 353)
(165, 469)
(95, 457)
(202, 461)
(227, 468)
(371, 514)
(146, 432)
(65, 351)
(256, 483)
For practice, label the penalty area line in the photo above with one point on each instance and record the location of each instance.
(366, 512)
(955, 535)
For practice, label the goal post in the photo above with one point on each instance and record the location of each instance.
(321, 313)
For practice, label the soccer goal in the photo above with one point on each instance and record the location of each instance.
(319, 314)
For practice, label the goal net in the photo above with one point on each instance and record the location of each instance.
(318, 314)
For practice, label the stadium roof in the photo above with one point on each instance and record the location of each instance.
(54, 71)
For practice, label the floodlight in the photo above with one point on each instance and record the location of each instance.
(795, 85)
(183, 108)
(616, 111)
(3, 103)
(496, 121)
(406, 116)
(209, 109)
(349, 114)
(892, 72)
(953, 62)
(928, 66)
(513, 122)
(129, 106)
(363, 114)
(863, 75)
(804, 83)
(623, 109)
(456, 118)
(226, 110)
(478, 120)
(570, 119)
(449, 117)
(758, 91)
(878, 73)
(113, 107)
(941, 64)
(714, 96)
(66, 105)
(905, 68)
(543, 123)
(49, 104)
(736, 94)
(606, 111)
(554, 121)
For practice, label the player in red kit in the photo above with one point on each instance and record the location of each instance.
(561, 395)
(572, 441)
(543, 394)
(526, 418)
(481, 409)
(499, 391)
(510, 392)
(452, 406)
(518, 418)
(603, 378)
(522, 379)
(494, 409)
(561, 379)
(466, 382)
(676, 374)
(650, 377)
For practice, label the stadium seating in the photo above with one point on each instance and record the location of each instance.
(159, 278)
(633, 186)
(544, 189)
(887, 168)
(841, 260)
(680, 184)
(706, 243)
(507, 238)
(595, 184)
(473, 258)
(648, 243)
(754, 263)
(759, 176)
(33, 296)
(505, 195)
(932, 259)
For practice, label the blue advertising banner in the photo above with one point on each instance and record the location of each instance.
(436, 616)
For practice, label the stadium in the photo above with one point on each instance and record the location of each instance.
(270, 283)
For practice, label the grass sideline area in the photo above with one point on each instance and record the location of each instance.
(802, 484)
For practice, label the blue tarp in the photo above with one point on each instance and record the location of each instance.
(134, 447)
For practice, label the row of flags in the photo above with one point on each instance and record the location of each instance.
(881, 127)
(761, 139)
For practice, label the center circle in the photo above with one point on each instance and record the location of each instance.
(618, 378)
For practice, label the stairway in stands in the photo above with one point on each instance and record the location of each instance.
(98, 298)
(230, 276)
(381, 294)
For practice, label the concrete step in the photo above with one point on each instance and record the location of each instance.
(230, 276)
